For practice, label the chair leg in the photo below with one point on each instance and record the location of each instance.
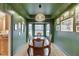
(49, 51)
(28, 52)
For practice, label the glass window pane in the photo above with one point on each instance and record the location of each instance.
(30, 29)
(39, 28)
(47, 29)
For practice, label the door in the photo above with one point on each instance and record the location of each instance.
(4, 34)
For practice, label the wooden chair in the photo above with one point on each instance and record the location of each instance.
(38, 47)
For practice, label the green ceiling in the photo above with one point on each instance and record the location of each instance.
(47, 9)
(27, 9)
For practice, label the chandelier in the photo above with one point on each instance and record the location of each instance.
(40, 17)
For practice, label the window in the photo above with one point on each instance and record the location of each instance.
(39, 28)
(43, 28)
(47, 29)
(30, 29)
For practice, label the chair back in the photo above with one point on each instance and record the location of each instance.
(38, 42)
(38, 49)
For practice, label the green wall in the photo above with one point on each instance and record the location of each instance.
(68, 42)
(18, 41)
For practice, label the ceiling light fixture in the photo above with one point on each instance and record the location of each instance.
(39, 5)
(40, 17)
